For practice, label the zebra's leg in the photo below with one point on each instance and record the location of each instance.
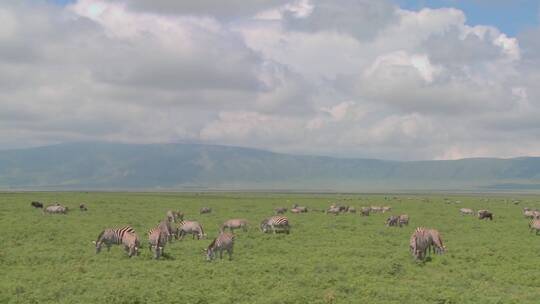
(220, 254)
(229, 251)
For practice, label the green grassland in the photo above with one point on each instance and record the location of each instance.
(326, 259)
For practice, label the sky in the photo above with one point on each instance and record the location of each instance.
(403, 79)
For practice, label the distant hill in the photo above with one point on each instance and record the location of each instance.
(104, 166)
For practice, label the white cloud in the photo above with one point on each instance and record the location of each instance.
(348, 78)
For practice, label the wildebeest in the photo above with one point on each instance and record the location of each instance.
(36, 204)
(365, 211)
(280, 210)
(403, 219)
(534, 225)
(484, 214)
(190, 227)
(234, 224)
(82, 207)
(464, 211)
(125, 235)
(55, 209)
(224, 241)
(275, 223)
(205, 210)
(392, 221)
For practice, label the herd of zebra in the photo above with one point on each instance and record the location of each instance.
(422, 242)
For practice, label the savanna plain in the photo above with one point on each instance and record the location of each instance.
(346, 258)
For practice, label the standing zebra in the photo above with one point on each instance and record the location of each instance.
(125, 235)
(205, 210)
(224, 241)
(464, 211)
(365, 211)
(392, 221)
(275, 223)
(437, 244)
(403, 219)
(420, 242)
(234, 224)
(167, 229)
(156, 241)
(55, 209)
(193, 227)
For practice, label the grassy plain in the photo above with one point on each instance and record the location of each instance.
(326, 259)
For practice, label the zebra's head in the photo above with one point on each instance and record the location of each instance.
(210, 254)
(98, 246)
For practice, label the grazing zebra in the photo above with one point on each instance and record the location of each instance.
(234, 224)
(365, 211)
(534, 225)
(280, 210)
(224, 241)
(386, 209)
(125, 235)
(392, 221)
(420, 242)
(36, 204)
(351, 210)
(302, 209)
(82, 207)
(205, 210)
(275, 223)
(376, 209)
(296, 210)
(464, 211)
(157, 241)
(193, 227)
(484, 214)
(528, 214)
(55, 209)
(403, 219)
(437, 244)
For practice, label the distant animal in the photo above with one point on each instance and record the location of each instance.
(351, 210)
(299, 208)
(36, 204)
(156, 241)
(174, 216)
(223, 242)
(125, 235)
(205, 210)
(534, 225)
(234, 224)
(529, 214)
(82, 207)
(365, 211)
(464, 211)
(55, 209)
(190, 227)
(376, 209)
(392, 221)
(167, 229)
(275, 224)
(296, 210)
(386, 209)
(280, 210)
(333, 210)
(403, 219)
(485, 214)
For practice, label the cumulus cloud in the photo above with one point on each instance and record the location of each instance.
(344, 78)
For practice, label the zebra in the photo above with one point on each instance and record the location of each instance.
(157, 241)
(36, 204)
(365, 211)
(174, 216)
(351, 210)
(385, 209)
(484, 214)
(280, 210)
(275, 223)
(376, 209)
(125, 235)
(464, 211)
(167, 229)
(437, 244)
(205, 210)
(420, 242)
(296, 210)
(333, 210)
(534, 225)
(234, 224)
(392, 221)
(193, 227)
(57, 208)
(302, 209)
(224, 241)
(403, 219)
